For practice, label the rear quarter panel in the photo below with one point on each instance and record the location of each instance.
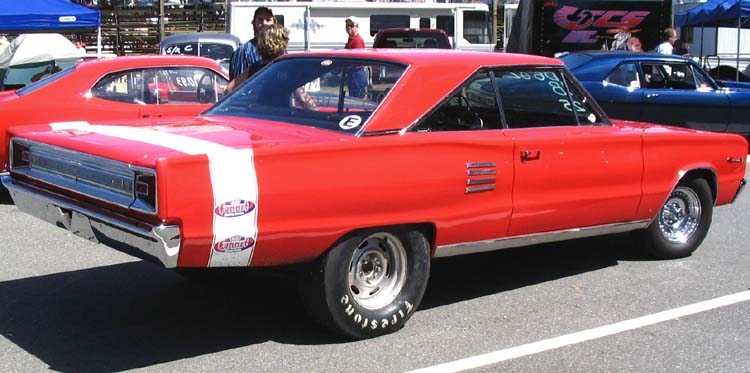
(312, 196)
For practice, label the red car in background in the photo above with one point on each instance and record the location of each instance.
(116, 88)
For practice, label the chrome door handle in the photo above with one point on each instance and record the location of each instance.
(530, 155)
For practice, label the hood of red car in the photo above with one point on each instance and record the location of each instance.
(143, 143)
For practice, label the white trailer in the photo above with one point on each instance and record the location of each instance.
(320, 25)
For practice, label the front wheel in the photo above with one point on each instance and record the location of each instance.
(370, 283)
(682, 222)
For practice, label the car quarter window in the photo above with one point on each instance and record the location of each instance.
(542, 98)
(471, 107)
(161, 86)
(702, 79)
(668, 75)
(625, 75)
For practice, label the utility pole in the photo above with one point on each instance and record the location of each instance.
(161, 20)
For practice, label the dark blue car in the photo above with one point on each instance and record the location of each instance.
(663, 89)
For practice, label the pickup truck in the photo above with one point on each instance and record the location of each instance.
(411, 38)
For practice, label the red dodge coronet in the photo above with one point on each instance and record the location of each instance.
(458, 152)
(116, 88)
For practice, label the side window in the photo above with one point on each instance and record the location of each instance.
(424, 22)
(625, 75)
(654, 76)
(122, 86)
(472, 107)
(211, 86)
(669, 76)
(185, 85)
(537, 98)
(477, 27)
(445, 23)
(703, 82)
(681, 77)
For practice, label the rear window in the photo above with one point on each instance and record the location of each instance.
(412, 39)
(45, 81)
(574, 60)
(216, 51)
(337, 94)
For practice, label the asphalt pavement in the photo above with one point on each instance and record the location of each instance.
(70, 305)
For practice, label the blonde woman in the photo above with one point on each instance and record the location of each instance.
(271, 42)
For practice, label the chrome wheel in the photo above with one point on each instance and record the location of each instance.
(680, 216)
(377, 270)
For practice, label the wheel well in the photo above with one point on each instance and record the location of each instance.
(704, 174)
(427, 228)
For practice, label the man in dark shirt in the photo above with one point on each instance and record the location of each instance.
(247, 54)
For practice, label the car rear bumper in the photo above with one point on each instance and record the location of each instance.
(159, 243)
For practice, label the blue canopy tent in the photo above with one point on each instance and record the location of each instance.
(718, 13)
(27, 16)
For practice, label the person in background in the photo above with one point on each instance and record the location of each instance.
(271, 42)
(81, 46)
(668, 38)
(634, 44)
(358, 79)
(247, 54)
(4, 43)
(681, 48)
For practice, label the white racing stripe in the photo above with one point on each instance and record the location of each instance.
(233, 181)
(586, 335)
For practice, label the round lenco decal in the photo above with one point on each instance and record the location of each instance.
(234, 244)
(349, 122)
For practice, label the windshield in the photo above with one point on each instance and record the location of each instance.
(337, 94)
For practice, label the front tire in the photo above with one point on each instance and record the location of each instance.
(682, 222)
(370, 283)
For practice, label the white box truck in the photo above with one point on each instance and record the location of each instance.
(320, 25)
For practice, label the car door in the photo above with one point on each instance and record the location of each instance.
(572, 169)
(674, 94)
(180, 91)
(620, 93)
(467, 161)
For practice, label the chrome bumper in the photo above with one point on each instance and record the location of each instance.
(160, 243)
(740, 189)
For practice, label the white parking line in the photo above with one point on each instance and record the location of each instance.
(582, 336)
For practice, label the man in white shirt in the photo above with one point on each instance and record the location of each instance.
(668, 37)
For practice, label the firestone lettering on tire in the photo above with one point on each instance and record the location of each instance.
(362, 321)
